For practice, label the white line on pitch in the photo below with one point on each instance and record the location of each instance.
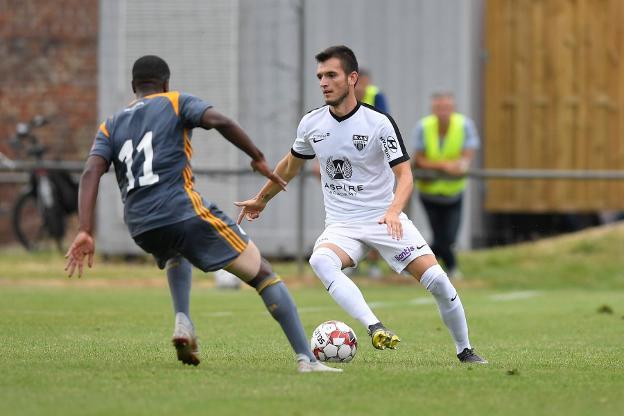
(422, 301)
(220, 313)
(503, 297)
(500, 297)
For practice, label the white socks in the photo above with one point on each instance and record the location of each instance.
(327, 266)
(451, 310)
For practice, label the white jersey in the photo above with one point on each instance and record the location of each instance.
(356, 153)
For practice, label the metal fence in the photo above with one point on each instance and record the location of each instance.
(16, 171)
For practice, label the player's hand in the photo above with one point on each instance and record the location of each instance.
(262, 167)
(83, 245)
(250, 209)
(393, 224)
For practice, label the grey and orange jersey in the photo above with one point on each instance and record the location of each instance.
(149, 144)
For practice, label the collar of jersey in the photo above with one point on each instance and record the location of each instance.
(156, 94)
(346, 116)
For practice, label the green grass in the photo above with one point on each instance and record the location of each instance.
(591, 259)
(100, 345)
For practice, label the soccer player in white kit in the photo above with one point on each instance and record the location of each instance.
(361, 155)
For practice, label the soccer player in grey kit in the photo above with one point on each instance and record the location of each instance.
(149, 144)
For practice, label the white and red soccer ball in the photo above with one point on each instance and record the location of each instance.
(334, 341)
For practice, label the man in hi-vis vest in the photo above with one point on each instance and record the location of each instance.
(370, 94)
(445, 141)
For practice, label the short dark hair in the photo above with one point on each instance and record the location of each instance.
(150, 69)
(347, 57)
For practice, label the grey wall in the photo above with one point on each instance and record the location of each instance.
(255, 61)
(199, 41)
(270, 108)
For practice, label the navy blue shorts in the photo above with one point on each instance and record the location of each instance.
(210, 241)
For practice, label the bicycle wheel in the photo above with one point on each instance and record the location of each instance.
(30, 226)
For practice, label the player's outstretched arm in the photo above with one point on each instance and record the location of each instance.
(402, 194)
(233, 133)
(83, 244)
(287, 168)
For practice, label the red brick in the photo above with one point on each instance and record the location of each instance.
(48, 66)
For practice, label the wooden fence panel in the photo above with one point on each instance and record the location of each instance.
(554, 100)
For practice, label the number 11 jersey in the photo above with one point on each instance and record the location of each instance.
(149, 144)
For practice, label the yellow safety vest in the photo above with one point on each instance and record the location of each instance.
(369, 95)
(451, 150)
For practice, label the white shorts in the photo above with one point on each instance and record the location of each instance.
(355, 238)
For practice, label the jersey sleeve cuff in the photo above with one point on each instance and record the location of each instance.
(301, 156)
(197, 123)
(101, 154)
(401, 159)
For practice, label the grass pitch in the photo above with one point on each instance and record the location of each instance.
(101, 345)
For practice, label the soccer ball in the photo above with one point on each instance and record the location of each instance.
(334, 341)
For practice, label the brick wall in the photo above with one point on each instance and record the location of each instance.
(48, 66)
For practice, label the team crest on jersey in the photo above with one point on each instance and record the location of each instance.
(338, 168)
(359, 141)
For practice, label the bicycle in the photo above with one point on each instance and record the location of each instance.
(39, 214)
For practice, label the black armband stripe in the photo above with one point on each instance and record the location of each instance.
(301, 156)
(402, 159)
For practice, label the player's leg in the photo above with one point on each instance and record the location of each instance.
(429, 273)
(161, 244)
(258, 273)
(413, 254)
(179, 276)
(328, 259)
(214, 241)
